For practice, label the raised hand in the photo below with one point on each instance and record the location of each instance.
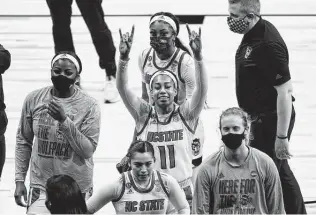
(195, 42)
(126, 43)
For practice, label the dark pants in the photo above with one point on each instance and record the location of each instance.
(264, 130)
(3, 127)
(93, 15)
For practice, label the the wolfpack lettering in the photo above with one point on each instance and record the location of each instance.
(145, 205)
(43, 132)
(53, 149)
(165, 136)
(236, 196)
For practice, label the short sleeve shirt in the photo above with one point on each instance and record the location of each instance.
(262, 62)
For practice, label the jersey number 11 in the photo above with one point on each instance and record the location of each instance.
(163, 158)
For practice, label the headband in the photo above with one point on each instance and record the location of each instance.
(66, 56)
(166, 72)
(166, 19)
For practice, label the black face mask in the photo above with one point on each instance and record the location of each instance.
(62, 83)
(233, 141)
(160, 44)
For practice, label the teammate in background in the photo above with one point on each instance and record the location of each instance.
(5, 61)
(142, 189)
(64, 123)
(264, 90)
(168, 126)
(64, 196)
(93, 15)
(238, 179)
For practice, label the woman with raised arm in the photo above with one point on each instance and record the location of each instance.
(168, 126)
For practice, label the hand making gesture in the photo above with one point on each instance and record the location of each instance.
(126, 44)
(195, 42)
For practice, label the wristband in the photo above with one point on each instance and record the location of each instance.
(282, 138)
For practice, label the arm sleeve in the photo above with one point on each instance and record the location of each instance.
(24, 141)
(104, 195)
(274, 63)
(187, 74)
(177, 196)
(273, 189)
(202, 193)
(5, 59)
(84, 140)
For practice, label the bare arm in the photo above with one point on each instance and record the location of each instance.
(192, 108)
(135, 105)
(177, 197)
(104, 195)
(85, 140)
(284, 107)
(132, 102)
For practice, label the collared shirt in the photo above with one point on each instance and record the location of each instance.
(262, 62)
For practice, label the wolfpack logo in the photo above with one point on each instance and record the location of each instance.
(248, 52)
(196, 146)
(162, 17)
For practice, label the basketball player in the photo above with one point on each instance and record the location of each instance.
(238, 179)
(5, 62)
(64, 123)
(167, 52)
(93, 15)
(142, 190)
(168, 126)
(264, 90)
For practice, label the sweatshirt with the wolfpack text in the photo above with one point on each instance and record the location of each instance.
(57, 148)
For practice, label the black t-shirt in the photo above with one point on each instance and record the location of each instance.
(262, 62)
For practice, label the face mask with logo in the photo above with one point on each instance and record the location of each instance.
(237, 25)
(160, 44)
(62, 83)
(233, 141)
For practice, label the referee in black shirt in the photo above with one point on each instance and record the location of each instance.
(264, 90)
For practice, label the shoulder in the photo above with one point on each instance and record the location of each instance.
(262, 158)
(35, 94)
(144, 53)
(187, 60)
(87, 98)
(211, 162)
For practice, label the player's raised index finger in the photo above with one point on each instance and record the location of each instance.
(200, 32)
(188, 28)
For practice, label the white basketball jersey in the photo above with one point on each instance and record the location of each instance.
(150, 66)
(134, 201)
(172, 143)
